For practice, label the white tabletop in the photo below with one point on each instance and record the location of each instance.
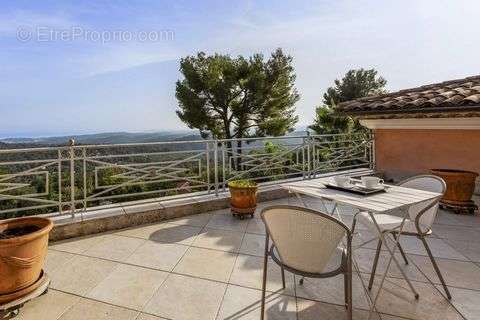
(394, 198)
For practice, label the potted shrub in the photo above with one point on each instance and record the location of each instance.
(243, 197)
(23, 247)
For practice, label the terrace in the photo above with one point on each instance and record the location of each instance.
(209, 266)
(172, 250)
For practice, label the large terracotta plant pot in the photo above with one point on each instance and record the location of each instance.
(460, 188)
(23, 247)
(243, 198)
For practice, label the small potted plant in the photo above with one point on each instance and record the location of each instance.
(243, 197)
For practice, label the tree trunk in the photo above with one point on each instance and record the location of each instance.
(228, 136)
(239, 155)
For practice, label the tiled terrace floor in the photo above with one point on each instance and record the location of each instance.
(209, 266)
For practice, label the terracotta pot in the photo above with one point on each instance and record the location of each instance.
(243, 200)
(460, 187)
(22, 257)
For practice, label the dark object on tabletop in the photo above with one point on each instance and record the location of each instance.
(356, 188)
(460, 188)
(243, 197)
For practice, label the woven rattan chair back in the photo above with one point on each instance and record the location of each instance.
(427, 183)
(304, 239)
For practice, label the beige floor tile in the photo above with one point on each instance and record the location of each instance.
(397, 299)
(282, 201)
(143, 232)
(245, 304)
(48, 306)
(172, 233)
(219, 239)
(449, 218)
(114, 248)
(227, 222)
(439, 248)
(331, 290)
(365, 258)
(92, 310)
(466, 301)
(457, 233)
(461, 274)
(81, 274)
(444, 217)
(253, 244)
(205, 263)
(256, 226)
(248, 272)
(390, 317)
(144, 316)
(157, 255)
(221, 211)
(313, 310)
(77, 245)
(128, 286)
(197, 220)
(56, 259)
(469, 249)
(187, 298)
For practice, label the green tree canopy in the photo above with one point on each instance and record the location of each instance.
(355, 84)
(227, 97)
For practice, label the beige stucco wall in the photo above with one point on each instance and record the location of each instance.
(405, 152)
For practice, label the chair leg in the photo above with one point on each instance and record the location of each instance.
(349, 285)
(283, 277)
(435, 266)
(354, 224)
(401, 249)
(375, 262)
(264, 282)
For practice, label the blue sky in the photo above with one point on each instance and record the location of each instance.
(82, 85)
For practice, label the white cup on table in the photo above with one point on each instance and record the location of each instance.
(371, 182)
(341, 181)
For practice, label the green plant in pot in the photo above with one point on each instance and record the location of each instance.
(243, 197)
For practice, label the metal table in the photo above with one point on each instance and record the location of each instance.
(395, 199)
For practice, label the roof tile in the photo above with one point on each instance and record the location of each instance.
(449, 94)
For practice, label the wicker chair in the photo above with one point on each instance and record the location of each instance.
(419, 223)
(304, 241)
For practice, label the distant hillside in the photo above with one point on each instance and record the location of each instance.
(105, 138)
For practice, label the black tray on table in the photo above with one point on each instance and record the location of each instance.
(357, 189)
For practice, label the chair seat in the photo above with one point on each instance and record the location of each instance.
(387, 223)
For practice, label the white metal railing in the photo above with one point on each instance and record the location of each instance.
(73, 178)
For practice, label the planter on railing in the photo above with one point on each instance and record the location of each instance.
(23, 248)
(460, 188)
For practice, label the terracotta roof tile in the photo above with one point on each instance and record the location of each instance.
(461, 94)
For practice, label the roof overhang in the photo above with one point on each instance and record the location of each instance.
(440, 112)
(470, 123)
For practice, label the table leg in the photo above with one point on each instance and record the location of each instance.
(392, 257)
(355, 263)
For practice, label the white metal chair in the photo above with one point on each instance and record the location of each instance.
(418, 224)
(304, 242)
